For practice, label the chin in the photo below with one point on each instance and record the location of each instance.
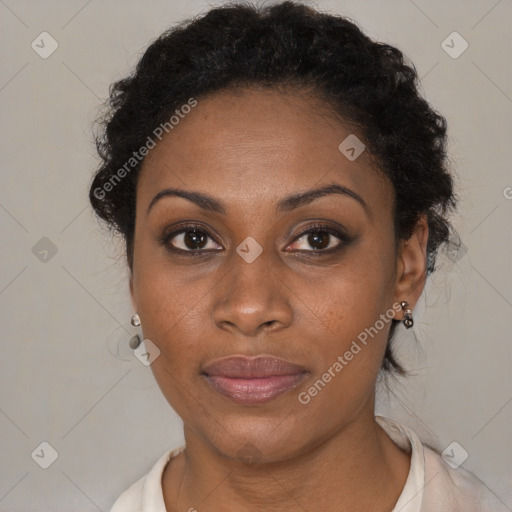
(253, 439)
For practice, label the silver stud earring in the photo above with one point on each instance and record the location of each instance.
(408, 321)
(134, 340)
(135, 321)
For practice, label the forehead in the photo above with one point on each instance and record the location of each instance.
(245, 145)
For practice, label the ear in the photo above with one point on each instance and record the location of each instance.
(412, 265)
(132, 294)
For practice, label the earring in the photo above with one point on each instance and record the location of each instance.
(135, 321)
(408, 321)
(134, 342)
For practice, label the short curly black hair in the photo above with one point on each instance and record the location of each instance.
(366, 83)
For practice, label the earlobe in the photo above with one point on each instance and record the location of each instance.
(412, 265)
(132, 294)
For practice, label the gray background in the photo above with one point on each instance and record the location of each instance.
(67, 376)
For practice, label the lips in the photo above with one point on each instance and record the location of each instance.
(253, 380)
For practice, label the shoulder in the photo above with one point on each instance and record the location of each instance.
(145, 495)
(447, 488)
(433, 485)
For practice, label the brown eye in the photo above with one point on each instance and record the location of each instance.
(320, 238)
(194, 239)
(189, 239)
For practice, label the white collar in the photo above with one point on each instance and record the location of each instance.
(412, 494)
(409, 501)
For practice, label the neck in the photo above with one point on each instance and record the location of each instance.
(357, 468)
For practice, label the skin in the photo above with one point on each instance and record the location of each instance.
(249, 149)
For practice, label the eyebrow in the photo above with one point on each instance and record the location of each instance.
(286, 204)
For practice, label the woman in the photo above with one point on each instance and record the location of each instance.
(282, 189)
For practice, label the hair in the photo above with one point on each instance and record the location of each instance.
(366, 83)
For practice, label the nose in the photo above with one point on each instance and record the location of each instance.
(253, 297)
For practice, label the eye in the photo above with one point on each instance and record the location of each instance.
(189, 239)
(195, 240)
(320, 238)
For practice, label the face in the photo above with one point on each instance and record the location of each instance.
(251, 272)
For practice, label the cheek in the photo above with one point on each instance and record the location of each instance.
(172, 317)
(348, 352)
(342, 298)
(162, 303)
(335, 310)
(351, 319)
(353, 294)
(352, 323)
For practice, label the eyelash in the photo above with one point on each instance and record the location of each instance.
(312, 228)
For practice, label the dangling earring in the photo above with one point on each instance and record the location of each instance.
(135, 321)
(134, 340)
(408, 321)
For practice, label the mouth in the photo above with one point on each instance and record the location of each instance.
(253, 380)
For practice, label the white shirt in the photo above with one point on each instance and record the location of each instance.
(431, 486)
